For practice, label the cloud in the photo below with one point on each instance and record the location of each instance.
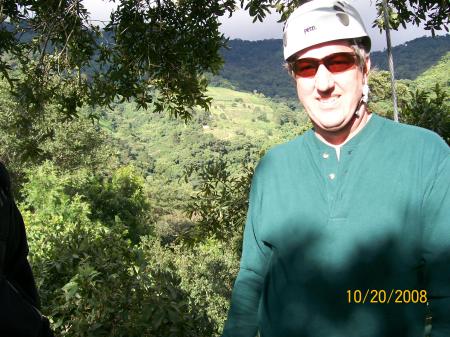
(240, 26)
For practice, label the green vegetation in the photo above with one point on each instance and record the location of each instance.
(437, 74)
(257, 66)
(92, 279)
(423, 102)
(429, 109)
(238, 126)
(414, 57)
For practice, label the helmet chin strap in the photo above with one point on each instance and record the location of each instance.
(364, 99)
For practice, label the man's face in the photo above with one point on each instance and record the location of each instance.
(330, 99)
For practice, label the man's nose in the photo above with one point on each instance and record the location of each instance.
(324, 79)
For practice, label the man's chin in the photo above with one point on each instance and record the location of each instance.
(333, 127)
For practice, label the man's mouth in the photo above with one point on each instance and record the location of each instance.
(328, 101)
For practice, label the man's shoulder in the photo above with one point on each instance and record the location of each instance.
(411, 134)
(412, 145)
(287, 148)
(280, 156)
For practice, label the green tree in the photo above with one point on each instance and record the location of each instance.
(380, 100)
(120, 199)
(152, 51)
(220, 203)
(433, 14)
(92, 279)
(429, 109)
(207, 272)
(70, 144)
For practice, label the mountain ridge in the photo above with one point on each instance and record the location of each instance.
(258, 65)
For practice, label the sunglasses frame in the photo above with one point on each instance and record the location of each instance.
(326, 62)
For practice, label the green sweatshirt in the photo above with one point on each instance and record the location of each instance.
(323, 234)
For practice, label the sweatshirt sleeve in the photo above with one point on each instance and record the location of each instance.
(16, 265)
(436, 248)
(243, 313)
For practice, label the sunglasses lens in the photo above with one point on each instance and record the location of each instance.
(335, 63)
(305, 68)
(339, 62)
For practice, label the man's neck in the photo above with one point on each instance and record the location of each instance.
(339, 138)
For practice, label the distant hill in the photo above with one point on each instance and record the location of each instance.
(258, 65)
(238, 126)
(414, 57)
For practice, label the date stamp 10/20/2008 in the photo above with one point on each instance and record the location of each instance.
(381, 296)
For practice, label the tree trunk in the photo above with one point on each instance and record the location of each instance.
(390, 58)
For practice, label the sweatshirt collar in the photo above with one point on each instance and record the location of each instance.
(364, 136)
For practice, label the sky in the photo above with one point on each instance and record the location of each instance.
(240, 25)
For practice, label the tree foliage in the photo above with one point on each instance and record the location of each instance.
(92, 279)
(434, 15)
(220, 204)
(154, 52)
(425, 107)
(120, 198)
(29, 140)
(380, 95)
(429, 109)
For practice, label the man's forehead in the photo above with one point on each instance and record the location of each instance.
(322, 49)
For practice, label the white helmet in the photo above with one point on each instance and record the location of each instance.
(321, 21)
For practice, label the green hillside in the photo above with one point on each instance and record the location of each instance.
(237, 114)
(238, 126)
(437, 74)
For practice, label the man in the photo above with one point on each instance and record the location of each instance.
(348, 227)
(19, 300)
